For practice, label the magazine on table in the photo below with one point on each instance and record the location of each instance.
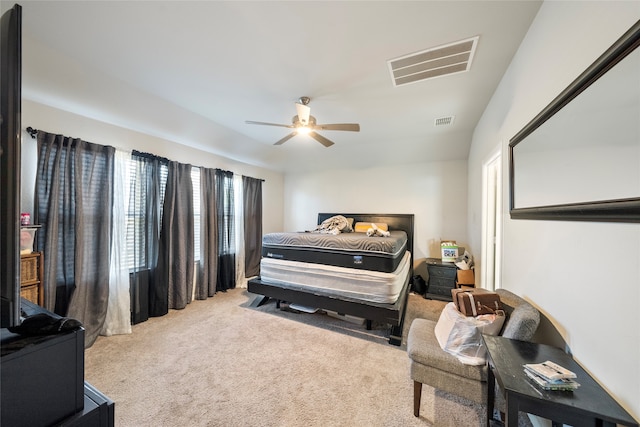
(549, 370)
(565, 384)
(551, 376)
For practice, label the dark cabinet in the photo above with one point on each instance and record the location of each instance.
(42, 380)
(41, 377)
(442, 279)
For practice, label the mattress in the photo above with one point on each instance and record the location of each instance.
(341, 282)
(352, 250)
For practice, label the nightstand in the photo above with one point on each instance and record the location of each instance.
(442, 279)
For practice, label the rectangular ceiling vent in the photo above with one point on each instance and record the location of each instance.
(444, 121)
(438, 61)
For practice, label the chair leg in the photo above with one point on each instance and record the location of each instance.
(417, 395)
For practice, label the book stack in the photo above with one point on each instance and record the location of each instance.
(551, 376)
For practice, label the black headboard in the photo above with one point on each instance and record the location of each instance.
(394, 222)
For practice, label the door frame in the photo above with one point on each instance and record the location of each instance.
(491, 260)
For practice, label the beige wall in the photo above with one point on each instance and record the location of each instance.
(584, 277)
(434, 192)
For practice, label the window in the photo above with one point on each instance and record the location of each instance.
(145, 174)
(225, 206)
(195, 182)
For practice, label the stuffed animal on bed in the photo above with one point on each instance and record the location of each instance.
(375, 231)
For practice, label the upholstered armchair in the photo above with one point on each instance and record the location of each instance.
(433, 366)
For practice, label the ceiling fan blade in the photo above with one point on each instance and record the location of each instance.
(353, 127)
(286, 138)
(321, 139)
(250, 122)
(303, 113)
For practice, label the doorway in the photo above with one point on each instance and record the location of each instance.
(491, 222)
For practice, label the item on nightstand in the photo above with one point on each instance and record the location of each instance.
(476, 301)
(449, 250)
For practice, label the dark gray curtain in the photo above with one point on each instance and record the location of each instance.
(145, 201)
(226, 235)
(74, 201)
(208, 265)
(173, 281)
(252, 206)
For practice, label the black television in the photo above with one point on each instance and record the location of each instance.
(10, 157)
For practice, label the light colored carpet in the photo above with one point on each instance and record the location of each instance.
(221, 362)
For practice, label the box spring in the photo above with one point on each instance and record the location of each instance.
(370, 286)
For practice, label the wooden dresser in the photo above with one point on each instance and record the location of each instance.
(31, 266)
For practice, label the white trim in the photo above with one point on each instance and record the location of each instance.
(491, 221)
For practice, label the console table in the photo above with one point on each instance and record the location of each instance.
(589, 405)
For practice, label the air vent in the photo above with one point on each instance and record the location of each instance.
(438, 61)
(444, 121)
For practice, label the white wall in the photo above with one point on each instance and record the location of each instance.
(53, 120)
(584, 277)
(436, 193)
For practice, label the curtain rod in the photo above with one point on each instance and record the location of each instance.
(140, 153)
(149, 156)
(32, 132)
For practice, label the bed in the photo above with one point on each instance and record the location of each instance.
(348, 273)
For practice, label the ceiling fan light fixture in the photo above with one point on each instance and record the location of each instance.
(305, 124)
(303, 110)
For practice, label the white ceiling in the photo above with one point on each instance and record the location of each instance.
(193, 72)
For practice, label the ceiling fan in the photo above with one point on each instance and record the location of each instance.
(305, 123)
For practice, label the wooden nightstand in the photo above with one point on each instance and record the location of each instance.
(442, 278)
(31, 269)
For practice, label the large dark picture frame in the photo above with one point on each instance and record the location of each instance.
(620, 209)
